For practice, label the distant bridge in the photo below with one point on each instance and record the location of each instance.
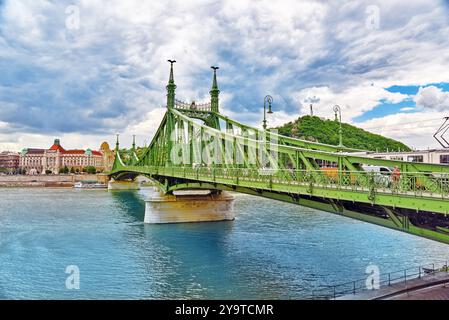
(196, 147)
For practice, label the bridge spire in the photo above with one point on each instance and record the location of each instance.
(171, 87)
(117, 144)
(214, 92)
(134, 142)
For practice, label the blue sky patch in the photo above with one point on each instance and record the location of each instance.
(407, 106)
(385, 108)
(412, 90)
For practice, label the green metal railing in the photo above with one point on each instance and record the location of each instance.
(359, 286)
(417, 184)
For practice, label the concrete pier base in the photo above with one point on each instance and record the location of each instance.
(189, 206)
(123, 185)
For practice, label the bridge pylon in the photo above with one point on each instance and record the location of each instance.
(214, 121)
(171, 87)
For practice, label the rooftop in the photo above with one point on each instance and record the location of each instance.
(57, 147)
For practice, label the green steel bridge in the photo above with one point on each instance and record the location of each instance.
(197, 147)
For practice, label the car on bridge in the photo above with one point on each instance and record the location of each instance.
(383, 176)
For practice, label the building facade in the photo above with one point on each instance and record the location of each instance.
(435, 156)
(56, 158)
(31, 160)
(9, 161)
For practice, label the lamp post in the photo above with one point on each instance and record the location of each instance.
(337, 111)
(268, 99)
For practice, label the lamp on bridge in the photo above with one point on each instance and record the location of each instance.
(268, 99)
(337, 111)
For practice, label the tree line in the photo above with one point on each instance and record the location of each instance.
(316, 129)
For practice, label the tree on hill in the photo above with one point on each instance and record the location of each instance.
(315, 129)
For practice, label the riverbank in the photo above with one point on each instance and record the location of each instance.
(425, 287)
(51, 181)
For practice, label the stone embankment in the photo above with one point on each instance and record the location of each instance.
(61, 181)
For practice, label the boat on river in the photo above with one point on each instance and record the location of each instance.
(89, 184)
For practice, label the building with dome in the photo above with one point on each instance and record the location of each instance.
(40, 161)
(108, 155)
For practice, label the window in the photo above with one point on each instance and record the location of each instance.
(415, 158)
(397, 158)
(444, 158)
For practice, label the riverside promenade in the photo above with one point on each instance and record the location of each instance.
(433, 286)
(61, 180)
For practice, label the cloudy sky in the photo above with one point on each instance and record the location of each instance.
(84, 70)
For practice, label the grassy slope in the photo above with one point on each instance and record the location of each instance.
(326, 131)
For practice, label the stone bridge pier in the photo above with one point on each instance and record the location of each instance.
(189, 206)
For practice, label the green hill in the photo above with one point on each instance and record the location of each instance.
(326, 131)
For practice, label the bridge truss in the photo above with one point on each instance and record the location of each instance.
(196, 147)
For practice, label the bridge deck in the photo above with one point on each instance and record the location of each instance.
(306, 183)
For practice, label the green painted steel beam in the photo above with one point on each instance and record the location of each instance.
(294, 141)
(414, 201)
(389, 223)
(333, 156)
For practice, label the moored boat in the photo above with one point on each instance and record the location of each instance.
(89, 184)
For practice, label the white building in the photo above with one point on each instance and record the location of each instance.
(38, 161)
(435, 156)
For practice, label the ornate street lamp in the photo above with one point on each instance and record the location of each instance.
(337, 111)
(268, 99)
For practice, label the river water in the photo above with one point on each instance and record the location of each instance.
(272, 250)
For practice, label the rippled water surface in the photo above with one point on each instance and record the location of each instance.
(272, 249)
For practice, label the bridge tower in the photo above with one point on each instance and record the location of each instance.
(117, 160)
(214, 92)
(214, 121)
(171, 87)
(125, 184)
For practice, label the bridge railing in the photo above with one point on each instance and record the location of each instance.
(372, 282)
(192, 106)
(412, 183)
(417, 184)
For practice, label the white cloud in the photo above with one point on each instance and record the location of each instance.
(414, 129)
(68, 141)
(144, 129)
(354, 101)
(287, 48)
(432, 98)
